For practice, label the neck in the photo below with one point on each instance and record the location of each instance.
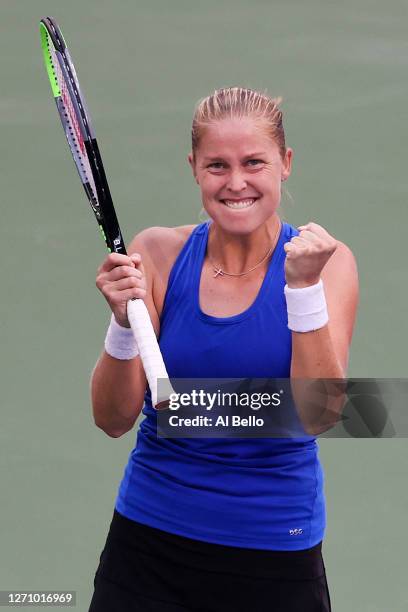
(236, 253)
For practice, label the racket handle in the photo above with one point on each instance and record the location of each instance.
(149, 350)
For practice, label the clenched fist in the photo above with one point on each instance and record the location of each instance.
(307, 254)
(121, 278)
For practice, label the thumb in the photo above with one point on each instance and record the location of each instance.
(137, 261)
(136, 258)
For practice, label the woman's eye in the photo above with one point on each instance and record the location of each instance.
(253, 163)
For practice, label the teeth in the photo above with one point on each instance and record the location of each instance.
(240, 204)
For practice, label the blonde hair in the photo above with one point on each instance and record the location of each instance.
(238, 102)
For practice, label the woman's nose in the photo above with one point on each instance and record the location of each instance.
(236, 181)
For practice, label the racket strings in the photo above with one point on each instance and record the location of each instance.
(74, 82)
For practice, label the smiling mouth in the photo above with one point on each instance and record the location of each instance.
(239, 204)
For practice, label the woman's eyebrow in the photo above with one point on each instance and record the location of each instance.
(245, 156)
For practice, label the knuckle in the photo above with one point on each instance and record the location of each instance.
(100, 283)
(132, 272)
(114, 298)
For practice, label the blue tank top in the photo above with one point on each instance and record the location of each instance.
(263, 493)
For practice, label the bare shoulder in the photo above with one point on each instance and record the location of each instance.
(159, 248)
(169, 238)
(340, 277)
(341, 262)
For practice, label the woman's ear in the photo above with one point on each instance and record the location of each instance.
(191, 161)
(287, 164)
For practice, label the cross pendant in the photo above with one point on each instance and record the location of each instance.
(218, 272)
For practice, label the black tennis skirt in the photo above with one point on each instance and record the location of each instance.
(143, 569)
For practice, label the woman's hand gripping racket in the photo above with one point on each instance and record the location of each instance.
(84, 148)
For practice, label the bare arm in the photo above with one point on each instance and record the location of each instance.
(117, 391)
(118, 386)
(323, 353)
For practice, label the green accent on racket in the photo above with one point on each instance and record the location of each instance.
(45, 43)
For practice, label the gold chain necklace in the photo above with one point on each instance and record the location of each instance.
(220, 272)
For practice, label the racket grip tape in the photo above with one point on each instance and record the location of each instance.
(150, 354)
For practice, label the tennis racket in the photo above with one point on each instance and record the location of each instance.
(81, 139)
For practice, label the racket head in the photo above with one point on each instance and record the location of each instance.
(79, 132)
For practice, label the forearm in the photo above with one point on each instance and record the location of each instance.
(117, 392)
(313, 355)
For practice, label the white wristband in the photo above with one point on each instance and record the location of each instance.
(307, 308)
(120, 342)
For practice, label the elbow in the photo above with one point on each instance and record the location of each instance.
(109, 423)
(115, 433)
(109, 430)
(112, 422)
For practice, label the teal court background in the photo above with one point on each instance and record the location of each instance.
(342, 71)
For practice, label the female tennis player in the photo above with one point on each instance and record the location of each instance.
(222, 525)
